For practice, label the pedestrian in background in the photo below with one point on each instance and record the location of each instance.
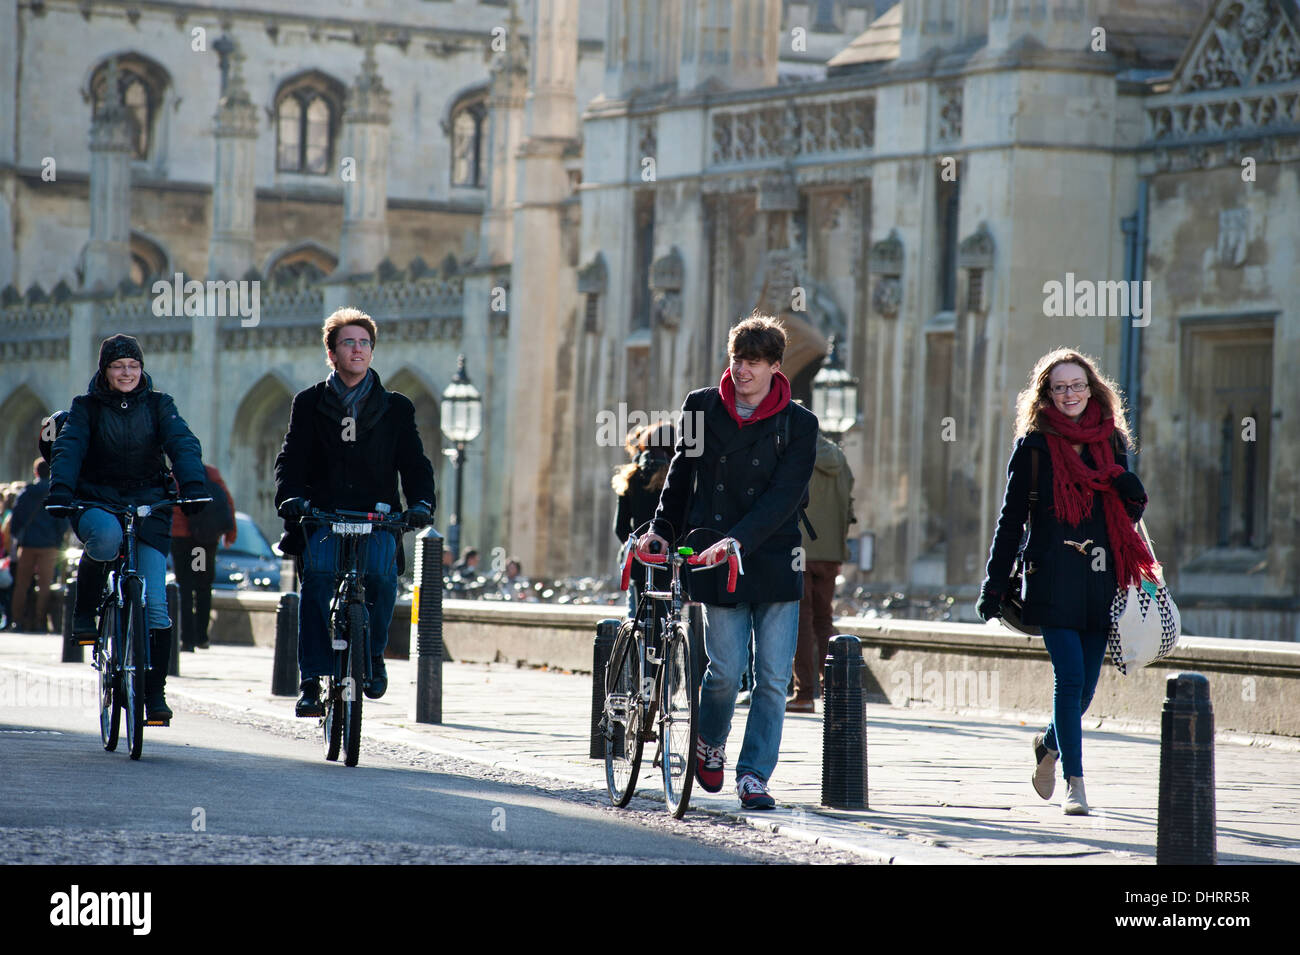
(830, 512)
(7, 499)
(194, 558)
(1082, 543)
(38, 539)
(637, 485)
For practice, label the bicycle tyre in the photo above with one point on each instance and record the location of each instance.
(679, 718)
(332, 722)
(134, 665)
(110, 701)
(622, 721)
(352, 689)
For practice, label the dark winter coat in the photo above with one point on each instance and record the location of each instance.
(120, 460)
(741, 485)
(30, 525)
(636, 505)
(318, 464)
(1062, 588)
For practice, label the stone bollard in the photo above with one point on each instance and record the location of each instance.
(174, 613)
(72, 653)
(606, 633)
(844, 726)
(284, 672)
(1185, 830)
(426, 626)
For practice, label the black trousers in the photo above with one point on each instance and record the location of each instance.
(195, 587)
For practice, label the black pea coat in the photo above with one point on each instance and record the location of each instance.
(120, 459)
(740, 485)
(351, 469)
(1064, 587)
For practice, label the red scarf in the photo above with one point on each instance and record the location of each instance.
(778, 396)
(1073, 484)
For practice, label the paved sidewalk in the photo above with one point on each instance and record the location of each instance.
(944, 788)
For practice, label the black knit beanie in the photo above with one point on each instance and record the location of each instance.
(119, 346)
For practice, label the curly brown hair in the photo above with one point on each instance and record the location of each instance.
(1037, 394)
(758, 338)
(657, 434)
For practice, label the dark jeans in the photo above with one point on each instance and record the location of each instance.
(1076, 666)
(319, 563)
(195, 587)
(816, 626)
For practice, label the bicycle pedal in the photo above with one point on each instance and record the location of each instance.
(157, 722)
(85, 641)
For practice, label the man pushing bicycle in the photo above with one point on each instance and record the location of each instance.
(747, 482)
(348, 440)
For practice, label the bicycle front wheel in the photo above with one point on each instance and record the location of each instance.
(134, 665)
(352, 695)
(622, 720)
(107, 662)
(678, 719)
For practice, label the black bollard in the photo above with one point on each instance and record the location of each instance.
(606, 633)
(1185, 831)
(284, 672)
(426, 626)
(72, 652)
(844, 726)
(174, 612)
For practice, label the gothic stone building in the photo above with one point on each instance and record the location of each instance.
(583, 215)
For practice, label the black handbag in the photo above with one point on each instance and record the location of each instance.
(1013, 597)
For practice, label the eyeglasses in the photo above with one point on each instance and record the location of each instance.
(356, 343)
(1078, 387)
(124, 366)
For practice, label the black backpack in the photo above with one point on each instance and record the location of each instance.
(215, 519)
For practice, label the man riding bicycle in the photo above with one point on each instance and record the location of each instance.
(348, 440)
(746, 483)
(111, 450)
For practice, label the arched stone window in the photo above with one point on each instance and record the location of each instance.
(141, 84)
(469, 140)
(309, 260)
(308, 110)
(148, 261)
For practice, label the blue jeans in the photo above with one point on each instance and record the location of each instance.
(101, 535)
(1076, 666)
(775, 627)
(321, 561)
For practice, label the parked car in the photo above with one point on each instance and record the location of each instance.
(250, 564)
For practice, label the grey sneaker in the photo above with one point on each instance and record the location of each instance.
(1076, 803)
(1044, 778)
(753, 793)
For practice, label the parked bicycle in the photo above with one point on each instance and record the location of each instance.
(651, 686)
(349, 623)
(121, 654)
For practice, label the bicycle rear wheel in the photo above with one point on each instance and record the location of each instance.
(678, 719)
(622, 721)
(107, 661)
(352, 695)
(332, 721)
(135, 662)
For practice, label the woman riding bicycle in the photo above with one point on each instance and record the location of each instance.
(111, 450)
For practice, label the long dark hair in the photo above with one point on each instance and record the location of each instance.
(650, 448)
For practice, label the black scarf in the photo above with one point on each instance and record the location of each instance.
(353, 397)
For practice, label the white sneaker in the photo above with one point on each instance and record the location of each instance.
(1044, 778)
(1076, 803)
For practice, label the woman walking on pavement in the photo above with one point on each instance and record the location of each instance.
(1071, 432)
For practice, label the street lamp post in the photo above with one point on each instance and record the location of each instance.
(835, 396)
(461, 421)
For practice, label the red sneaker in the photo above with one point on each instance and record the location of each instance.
(709, 764)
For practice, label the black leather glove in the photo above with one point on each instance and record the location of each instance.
(295, 507)
(193, 490)
(60, 496)
(1127, 486)
(419, 515)
(990, 603)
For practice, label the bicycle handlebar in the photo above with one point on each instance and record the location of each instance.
(734, 566)
(121, 510)
(380, 518)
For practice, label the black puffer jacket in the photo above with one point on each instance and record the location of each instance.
(120, 460)
(741, 486)
(317, 463)
(1062, 588)
(636, 505)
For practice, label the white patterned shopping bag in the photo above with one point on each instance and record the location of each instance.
(1144, 621)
